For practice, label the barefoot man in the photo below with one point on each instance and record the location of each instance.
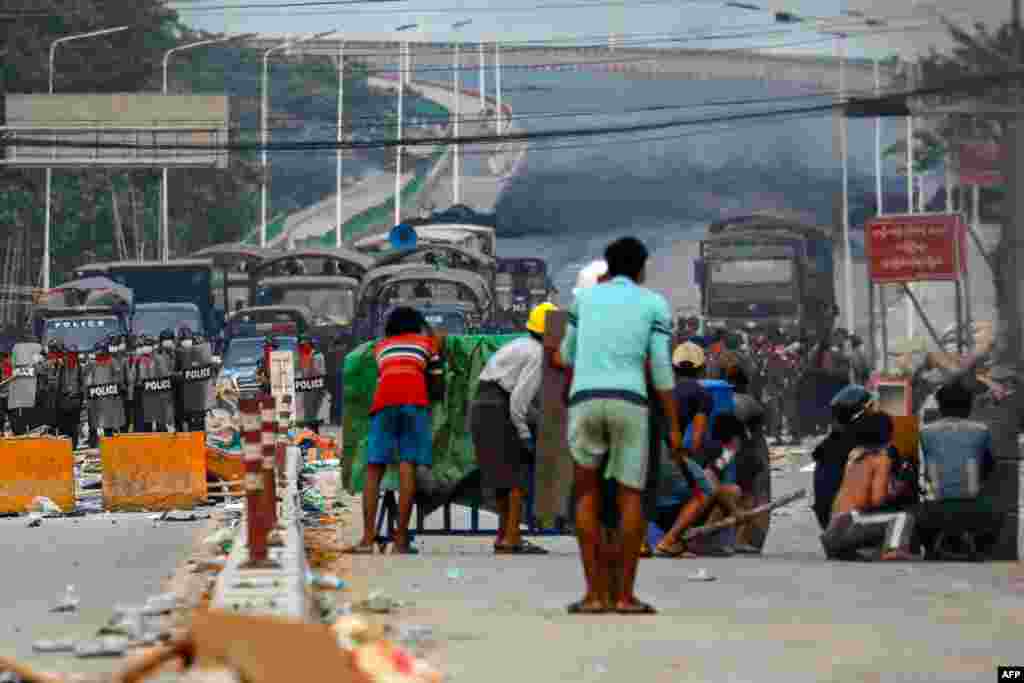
(613, 329)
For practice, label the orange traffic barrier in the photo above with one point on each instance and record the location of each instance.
(31, 467)
(225, 466)
(154, 471)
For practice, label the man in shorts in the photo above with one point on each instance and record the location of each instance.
(613, 329)
(400, 424)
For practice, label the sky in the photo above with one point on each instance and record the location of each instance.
(651, 22)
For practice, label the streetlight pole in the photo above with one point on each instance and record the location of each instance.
(265, 105)
(844, 143)
(483, 79)
(497, 86)
(399, 150)
(911, 205)
(49, 170)
(457, 96)
(165, 249)
(338, 236)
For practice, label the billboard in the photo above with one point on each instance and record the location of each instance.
(77, 127)
(916, 248)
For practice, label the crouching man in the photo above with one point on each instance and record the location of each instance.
(856, 523)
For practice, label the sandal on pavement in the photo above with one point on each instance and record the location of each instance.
(674, 550)
(636, 609)
(583, 608)
(404, 550)
(523, 548)
(363, 549)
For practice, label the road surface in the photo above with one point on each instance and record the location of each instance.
(789, 616)
(110, 559)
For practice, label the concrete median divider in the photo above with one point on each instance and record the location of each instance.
(154, 471)
(31, 467)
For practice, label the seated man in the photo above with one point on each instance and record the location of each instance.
(957, 455)
(702, 490)
(831, 455)
(856, 523)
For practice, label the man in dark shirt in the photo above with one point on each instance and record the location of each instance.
(831, 455)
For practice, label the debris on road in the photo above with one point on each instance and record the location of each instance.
(108, 646)
(42, 505)
(34, 521)
(701, 574)
(53, 646)
(68, 602)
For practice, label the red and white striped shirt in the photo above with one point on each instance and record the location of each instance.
(402, 370)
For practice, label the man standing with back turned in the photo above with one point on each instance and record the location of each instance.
(613, 329)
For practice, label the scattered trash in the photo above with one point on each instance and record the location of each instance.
(808, 468)
(44, 506)
(701, 575)
(180, 516)
(454, 574)
(34, 520)
(127, 622)
(69, 601)
(110, 646)
(379, 603)
(415, 637)
(234, 507)
(328, 581)
(313, 501)
(160, 604)
(54, 646)
(90, 483)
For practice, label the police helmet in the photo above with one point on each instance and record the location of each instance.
(167, 335)
(850, 404)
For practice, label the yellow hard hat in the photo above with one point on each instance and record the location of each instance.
(537, 322)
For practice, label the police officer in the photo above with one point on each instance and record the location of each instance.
(197, 373)
(47, 391)
(70, 383)
(106, 380)
(154, 384)
(310, 384)
(26, 362)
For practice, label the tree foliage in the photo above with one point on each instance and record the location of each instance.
(98, 213)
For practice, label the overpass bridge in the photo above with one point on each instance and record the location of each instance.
(660, 63)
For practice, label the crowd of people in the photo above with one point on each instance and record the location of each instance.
(668, 431)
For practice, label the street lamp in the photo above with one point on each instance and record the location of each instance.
(49, 170)
(338, 237)
(263, 124)
(165, 248)
(497, 87)
(483, 80)
(457, 95)
(403, 60)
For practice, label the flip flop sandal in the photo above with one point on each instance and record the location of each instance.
(583, 608)
(524, 548)
(359, 550)
(404, 550)
(673, 551)
(636, 609)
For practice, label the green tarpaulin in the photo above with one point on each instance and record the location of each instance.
(454, 458)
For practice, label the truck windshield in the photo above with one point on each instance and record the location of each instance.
(751, 272)
(337, 304)
(81, 333)
(153, 322)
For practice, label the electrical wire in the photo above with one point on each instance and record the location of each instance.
(524, 136)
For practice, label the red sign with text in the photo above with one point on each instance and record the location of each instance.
(916, 248)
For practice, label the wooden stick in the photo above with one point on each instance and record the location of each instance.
(729, 522)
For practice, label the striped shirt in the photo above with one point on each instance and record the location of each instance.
(401, 370)
(614, 328)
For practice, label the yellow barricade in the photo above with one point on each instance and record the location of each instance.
(228, 467)
(153, 471)
(31, 467)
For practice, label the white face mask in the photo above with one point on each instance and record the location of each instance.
(186, 343)
(145, 350)
(168, 344)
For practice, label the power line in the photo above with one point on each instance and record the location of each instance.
(953, 86)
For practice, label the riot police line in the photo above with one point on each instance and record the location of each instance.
(122, 385)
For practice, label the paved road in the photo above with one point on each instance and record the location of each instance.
(789, 616)
(111, 559)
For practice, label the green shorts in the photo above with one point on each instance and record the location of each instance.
(614, 428)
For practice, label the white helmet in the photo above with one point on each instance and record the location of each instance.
(589, 275)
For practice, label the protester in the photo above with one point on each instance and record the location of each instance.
(612, 331)
(720, 458)
(831, 455)
(958, 462)
(502, 438)
(856, 523)
(679, 503)
(400, 426)
(753, 468)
